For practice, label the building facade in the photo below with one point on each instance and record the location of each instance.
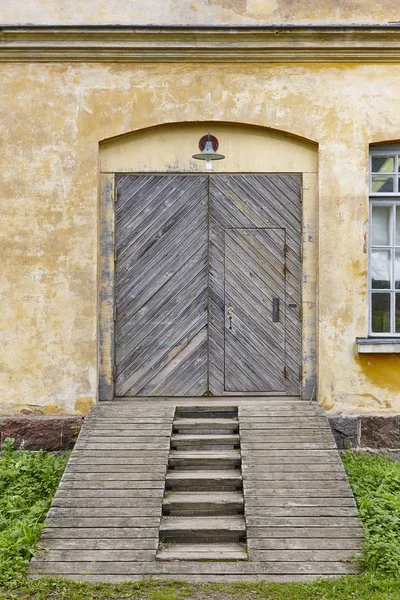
(100, 105)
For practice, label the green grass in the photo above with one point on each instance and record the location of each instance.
(28, 481)
(376, 485)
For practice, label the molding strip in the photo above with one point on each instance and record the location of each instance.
(317, 44)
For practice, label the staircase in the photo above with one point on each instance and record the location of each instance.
(203, 505)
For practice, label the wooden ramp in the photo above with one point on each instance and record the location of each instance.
(114, 517)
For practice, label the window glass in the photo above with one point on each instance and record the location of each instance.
(384, 241)
(397, 242)
(380, 313)
(383, 164)
(380, 269)
(382, 185)
(381, 225)
(397, 313)
(397, 270)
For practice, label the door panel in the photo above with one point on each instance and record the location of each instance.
(251, 202)
(161, 285)
(254, 284)
(189, 246)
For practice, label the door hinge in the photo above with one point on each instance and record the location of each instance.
(285, 373)
(301, 313)
(114, 372)
(114, 312)
(115, 254)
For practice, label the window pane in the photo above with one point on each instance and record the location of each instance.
(397, 313)
(397, 242)
(397, 270)
(381, 225)
(380, 313)
(380, 269)
(383, 164)
(382, 185)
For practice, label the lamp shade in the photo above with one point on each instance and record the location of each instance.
(208, 153)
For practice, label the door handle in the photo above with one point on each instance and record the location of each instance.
(275, 310)
(230, 312)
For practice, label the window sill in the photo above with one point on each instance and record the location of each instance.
(378, 345)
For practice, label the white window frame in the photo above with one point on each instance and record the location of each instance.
(384, 199)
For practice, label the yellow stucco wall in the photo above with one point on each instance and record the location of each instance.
(197, 12)
(52, 118)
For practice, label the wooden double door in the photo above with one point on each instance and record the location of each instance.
(208, 285)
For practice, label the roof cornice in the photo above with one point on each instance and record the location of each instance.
(147, 44)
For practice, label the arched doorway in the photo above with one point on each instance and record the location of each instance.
(207, 279)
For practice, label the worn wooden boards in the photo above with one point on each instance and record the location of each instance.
(300, 514)
(207, 284)
(161, 285)
(299, 505)
(255, 256)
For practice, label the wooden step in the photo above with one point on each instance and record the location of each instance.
(204, 441)
(211, 426)
(207, 412)
(203, 504)
(206, 460)
(204, 480)
(203, 529)
(206, 552)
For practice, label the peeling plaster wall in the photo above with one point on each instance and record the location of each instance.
(52, 118)
(197, 12)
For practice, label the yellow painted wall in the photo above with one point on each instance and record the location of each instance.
(197, 12)
(52, 118)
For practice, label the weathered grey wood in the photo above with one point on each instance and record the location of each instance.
(120, 543)
(298, 521)
(147, 493)
(299, 555)
(214, 552)
(305, 532)
(101, 512)
(285, 468)
(107, 578)
(144, 476)
(304, 543)
(265, 510)
(289, 502)
(105, 533)
(299, 512)
(106, 346)
(156, 484)
(287, 446)
(254, 491)
(94, 468)
(101, 522)
(135, 460)
(256, 484)
(85, 556)
(201, 568)
(237, 203)
(161, 249)
(135, 444)
(142, 505)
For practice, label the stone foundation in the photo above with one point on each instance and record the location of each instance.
(40, 432)
(361, 432)
(366, 432)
